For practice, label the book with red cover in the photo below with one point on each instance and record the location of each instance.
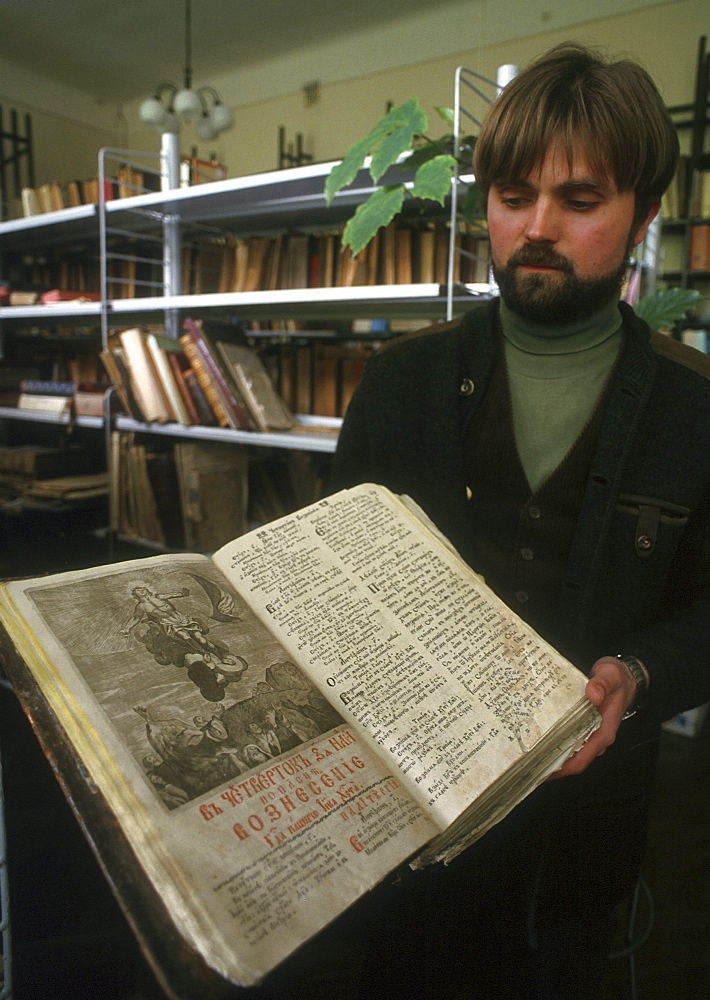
(236, 411)
(62, 295)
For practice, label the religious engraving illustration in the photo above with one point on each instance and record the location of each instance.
(196, 687)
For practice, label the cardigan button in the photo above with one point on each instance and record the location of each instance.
(467, 387)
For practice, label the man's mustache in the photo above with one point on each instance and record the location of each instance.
(540, 256)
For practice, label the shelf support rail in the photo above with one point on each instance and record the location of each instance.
(464, 77)
(111, 160)
(170, 179)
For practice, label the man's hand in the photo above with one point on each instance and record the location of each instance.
(612, 689)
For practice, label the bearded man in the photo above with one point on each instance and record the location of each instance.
(564, 448)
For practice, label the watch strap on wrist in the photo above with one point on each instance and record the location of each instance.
(639, 675)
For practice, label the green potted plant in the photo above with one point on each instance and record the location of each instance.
(399, 139)
(428, 165)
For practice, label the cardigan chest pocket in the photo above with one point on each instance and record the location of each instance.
(651, 516)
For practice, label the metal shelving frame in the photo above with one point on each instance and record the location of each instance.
(266, 202)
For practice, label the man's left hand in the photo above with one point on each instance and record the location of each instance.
(613, 690)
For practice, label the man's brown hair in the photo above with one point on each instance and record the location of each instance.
(610, 111)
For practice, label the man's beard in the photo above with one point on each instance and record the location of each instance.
(553, 299)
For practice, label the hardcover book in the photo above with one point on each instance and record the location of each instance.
(266, 408)
(276, 729)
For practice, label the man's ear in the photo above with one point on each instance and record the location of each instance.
(642, 227)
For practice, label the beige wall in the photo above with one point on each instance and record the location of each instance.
(70, 126)
(664, 37)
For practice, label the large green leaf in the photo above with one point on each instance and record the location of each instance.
(433, 179)
(343, 173)
(401, 123)
(396, 143)
(664, 307)
(379, 209)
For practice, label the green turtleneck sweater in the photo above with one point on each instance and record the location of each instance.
(555, 377)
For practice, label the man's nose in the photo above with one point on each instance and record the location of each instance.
(543, 222)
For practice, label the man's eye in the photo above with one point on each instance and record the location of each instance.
(581, 206)
(513, 202)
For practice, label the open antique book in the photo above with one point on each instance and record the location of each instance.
(277, 728)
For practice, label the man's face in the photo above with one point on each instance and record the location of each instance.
(560, 239)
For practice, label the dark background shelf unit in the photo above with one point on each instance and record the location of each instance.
(692, 120)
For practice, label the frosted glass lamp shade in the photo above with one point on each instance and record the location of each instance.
(153, 113)
(204, 129)
(187, 104)
(221, 117)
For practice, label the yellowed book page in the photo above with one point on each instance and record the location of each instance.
(256, 810)
(450, 685)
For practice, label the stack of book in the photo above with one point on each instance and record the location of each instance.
(43, 476)
(46, 396)
(61, 397)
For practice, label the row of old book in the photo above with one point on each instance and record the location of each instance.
(192, 495)
(197, 495)
(685, 197)
(311, 375)
(56, 195)
(399, 254)
(127, 182)
(197, 379)
(29, 275)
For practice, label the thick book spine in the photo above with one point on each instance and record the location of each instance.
(204, 410)
(188, 401)
(43, 403)
(236, 414)
(121, 380)
(167, 380)
(45, 387)
(145, 384)
(204, 380)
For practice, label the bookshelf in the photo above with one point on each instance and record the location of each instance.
(282, 200)
(152, 227)
(686, 222)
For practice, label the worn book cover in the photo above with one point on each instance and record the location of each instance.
(266, 408)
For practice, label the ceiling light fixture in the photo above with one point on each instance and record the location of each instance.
(170, 105)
